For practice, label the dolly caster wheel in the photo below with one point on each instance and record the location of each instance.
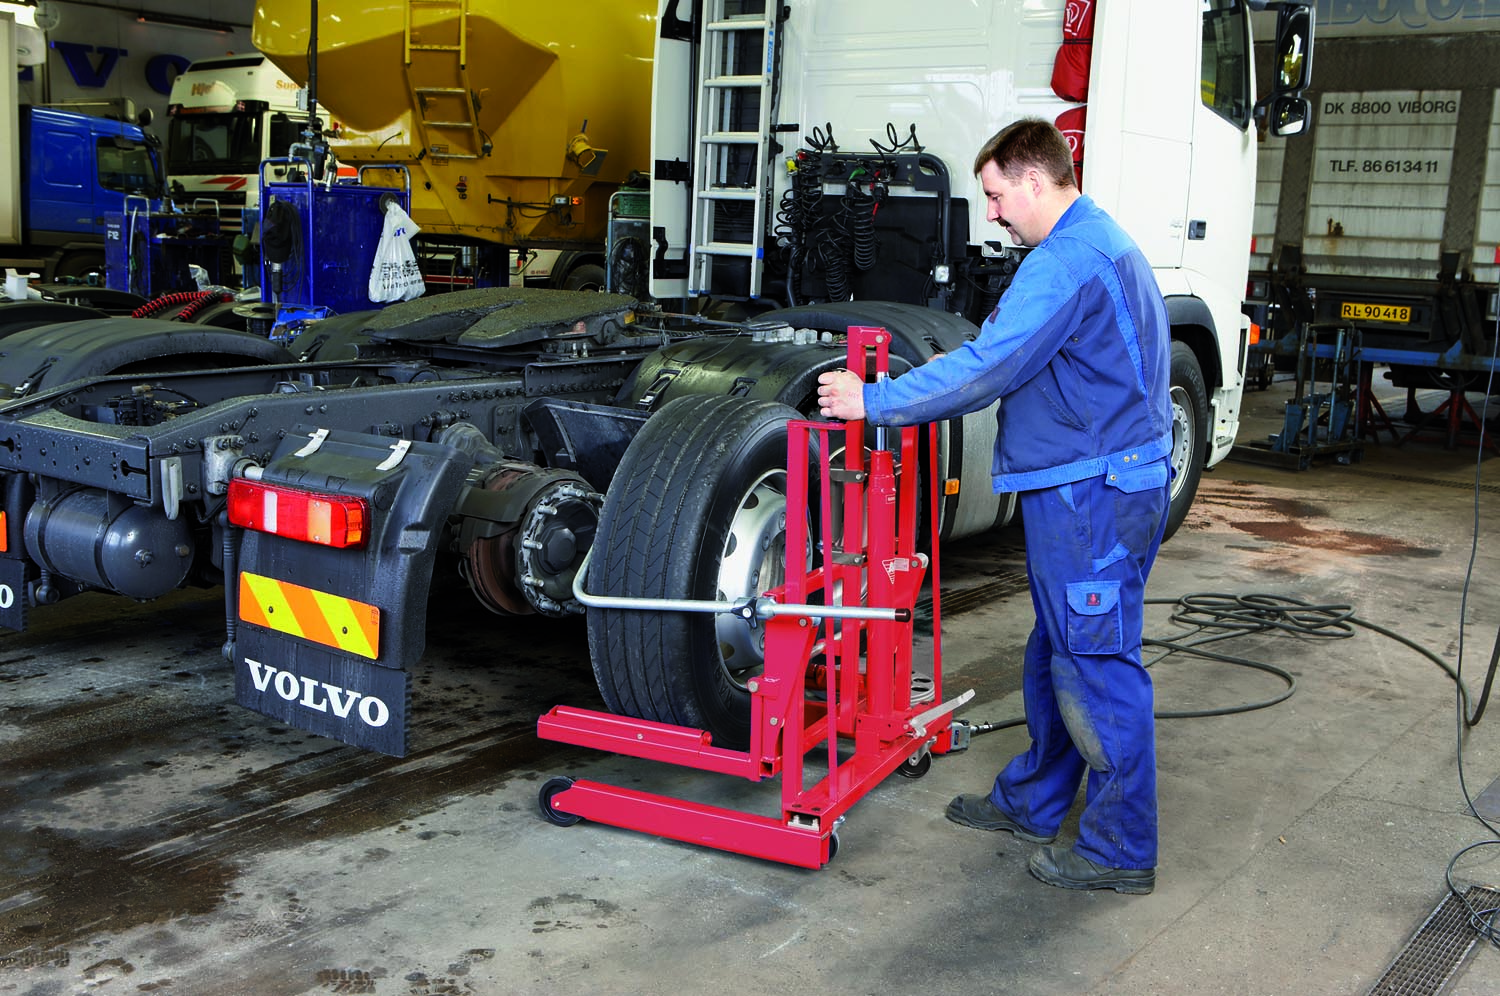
(916, 767)
(550, 788)
(833, 847)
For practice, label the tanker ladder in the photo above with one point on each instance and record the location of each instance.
(838, 664)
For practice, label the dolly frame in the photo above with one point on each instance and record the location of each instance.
(796, 704)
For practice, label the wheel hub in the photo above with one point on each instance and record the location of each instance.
(1183, 443)
(556, 533)
(529, 564)
(754, 561)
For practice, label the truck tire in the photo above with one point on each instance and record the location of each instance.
(585, 277)
(1189, 432)
(701, 484)
(918, 334)
(80, 266)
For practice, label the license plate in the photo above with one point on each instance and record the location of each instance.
(337, 622)
(1364, 311)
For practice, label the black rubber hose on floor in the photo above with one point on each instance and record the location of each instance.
(1215, 616)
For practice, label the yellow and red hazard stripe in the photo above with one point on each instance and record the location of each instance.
(331, 620)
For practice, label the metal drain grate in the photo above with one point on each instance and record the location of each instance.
(963, 600)
(1438, 947)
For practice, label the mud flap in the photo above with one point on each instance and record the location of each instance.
(13, 595)
(323, 692)
(325, 636)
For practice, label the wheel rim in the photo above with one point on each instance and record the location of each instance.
(754, 561)
(1184, 439)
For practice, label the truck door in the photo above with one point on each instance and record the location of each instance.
(1143, 92)
(62, 177)
(1221, 194)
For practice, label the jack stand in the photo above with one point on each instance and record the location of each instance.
(1322, 423)
(1451, 417)
(848, 696)
(1371, 413)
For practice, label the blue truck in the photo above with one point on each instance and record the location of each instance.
(67, 170)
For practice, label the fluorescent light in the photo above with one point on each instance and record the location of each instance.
(180, 21)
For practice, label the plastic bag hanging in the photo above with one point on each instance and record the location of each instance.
(395, 275)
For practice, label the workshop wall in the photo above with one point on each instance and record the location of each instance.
(98, 51)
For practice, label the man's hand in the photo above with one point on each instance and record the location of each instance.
(841, 394)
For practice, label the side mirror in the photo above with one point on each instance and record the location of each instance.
(144, 118)
(1288, 115)
(1293, 65)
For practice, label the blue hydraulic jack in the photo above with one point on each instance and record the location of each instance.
(1322, 419)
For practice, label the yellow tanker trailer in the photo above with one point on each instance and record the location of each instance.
(516, 120)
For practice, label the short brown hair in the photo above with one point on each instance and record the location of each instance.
(1028, 143)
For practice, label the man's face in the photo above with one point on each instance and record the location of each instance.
(1012, 205)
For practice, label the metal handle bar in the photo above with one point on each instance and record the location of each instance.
(760, 607)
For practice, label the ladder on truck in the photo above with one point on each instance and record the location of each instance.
(736, 61)
(436, 59)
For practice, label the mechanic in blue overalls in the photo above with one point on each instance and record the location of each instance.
(1078, 353)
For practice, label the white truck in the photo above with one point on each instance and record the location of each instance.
(810, 165)
(1168, 149)
(225, 115)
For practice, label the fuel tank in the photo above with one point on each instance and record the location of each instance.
(516, 120)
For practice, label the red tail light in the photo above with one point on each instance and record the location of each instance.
(330, 520)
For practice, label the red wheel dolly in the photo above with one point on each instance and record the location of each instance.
(837, 673)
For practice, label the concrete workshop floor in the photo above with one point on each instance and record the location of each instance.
(155, 838)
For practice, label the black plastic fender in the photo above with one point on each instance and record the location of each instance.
(919, 332)
(55, 354)
(341, 691)
(18, 316)
(735, 366)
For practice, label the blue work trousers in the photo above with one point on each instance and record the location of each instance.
(1089, 548)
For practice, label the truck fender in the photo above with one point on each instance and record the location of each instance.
(18, 316)
(966, 444)
(738, 365)
(1193, 323)
(56, 354)
(919, 332)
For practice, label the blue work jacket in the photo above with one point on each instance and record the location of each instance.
(1079, 352)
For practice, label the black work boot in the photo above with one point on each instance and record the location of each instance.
(979, 812)
(1068, 869)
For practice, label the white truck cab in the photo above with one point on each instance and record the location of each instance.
(821, 153)
(224, 116)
